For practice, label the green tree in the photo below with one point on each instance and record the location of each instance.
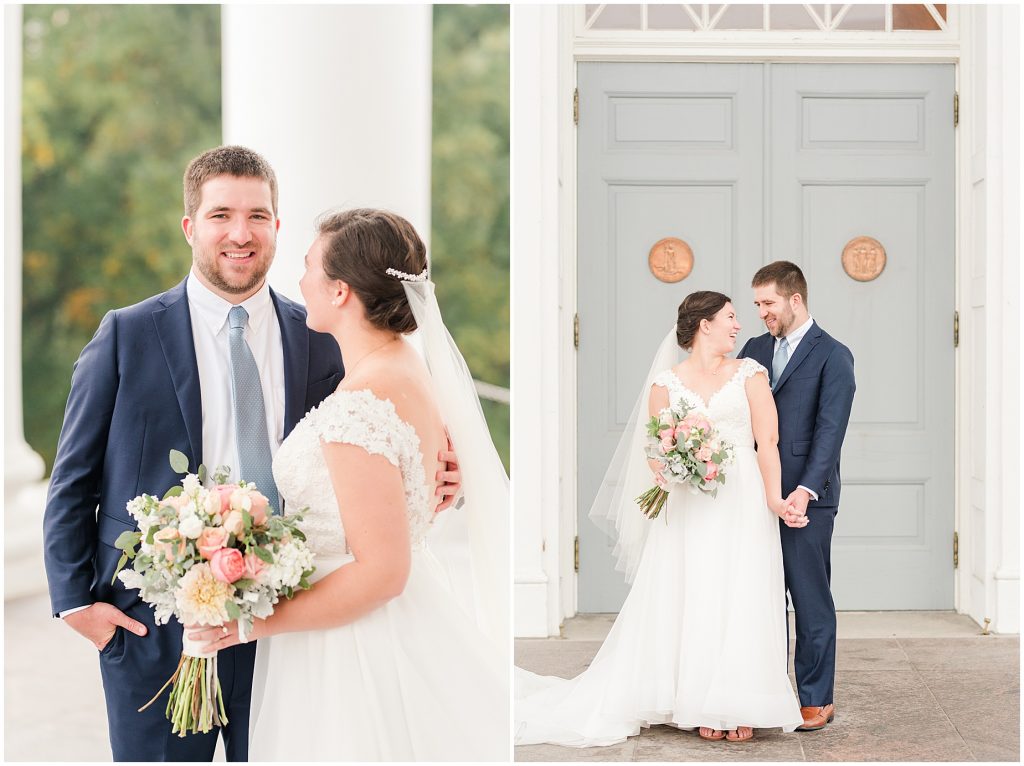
(470, 191)
(116, 100)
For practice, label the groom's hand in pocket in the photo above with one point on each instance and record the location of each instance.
(450, 477)
(99, 622)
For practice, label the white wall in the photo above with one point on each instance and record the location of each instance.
(338, 99)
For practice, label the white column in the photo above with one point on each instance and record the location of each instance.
(338, 99)
(989, 419)
(538, 326)
(24, 494)
(1004, 289)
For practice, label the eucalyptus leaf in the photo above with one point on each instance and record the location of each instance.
(126, 541)
(174, 491)
(120, 565)
(179, 461)
(202, 473)
(232, 609)
(264, 554)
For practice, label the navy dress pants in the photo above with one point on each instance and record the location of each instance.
(806, 558)
(135, 667)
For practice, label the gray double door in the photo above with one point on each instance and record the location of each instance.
(751, 163)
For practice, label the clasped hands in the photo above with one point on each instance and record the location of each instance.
(793, 510)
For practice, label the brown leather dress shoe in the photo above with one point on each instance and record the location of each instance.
(816, 717)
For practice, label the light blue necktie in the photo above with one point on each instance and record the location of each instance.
(779, 362)
(251, 441)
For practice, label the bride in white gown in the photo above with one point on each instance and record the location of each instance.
(700, 641)
(380, 661)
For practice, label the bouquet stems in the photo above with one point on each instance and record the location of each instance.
(196, 702)
(652, 501)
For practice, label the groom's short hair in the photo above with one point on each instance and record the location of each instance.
(786, 276)
(235, 161)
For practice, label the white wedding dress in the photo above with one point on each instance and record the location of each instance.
(701, 637)
(414, 680)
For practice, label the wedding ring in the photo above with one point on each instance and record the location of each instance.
(224, 628)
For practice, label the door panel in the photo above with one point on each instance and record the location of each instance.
(659, 156)
(873, 156)
(686, 150)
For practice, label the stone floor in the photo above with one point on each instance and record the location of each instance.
(910, 686)
(53, 700)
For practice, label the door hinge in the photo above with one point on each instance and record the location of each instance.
(956, 109)
(576, 554)
(956, 550)
(576, 106)
(956, 329)
(576, 331)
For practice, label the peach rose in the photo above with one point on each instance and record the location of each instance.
(712, 471)
(704, 454)
(234, 523)
(254, 566)
(211, 540)
(227, 564)
(260, 508)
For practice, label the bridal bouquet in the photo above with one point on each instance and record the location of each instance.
(690, 451)
(206, 557)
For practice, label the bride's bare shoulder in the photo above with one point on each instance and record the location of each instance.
(401, 378)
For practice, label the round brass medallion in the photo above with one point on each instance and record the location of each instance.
(670, 260)
(864, 258)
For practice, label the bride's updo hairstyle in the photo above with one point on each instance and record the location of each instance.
(359, 247)
(703, 304)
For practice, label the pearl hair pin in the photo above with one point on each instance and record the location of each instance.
(421, 277)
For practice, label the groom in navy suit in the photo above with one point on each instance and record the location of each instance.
(159, 376)
(155, 378)
(813, 384)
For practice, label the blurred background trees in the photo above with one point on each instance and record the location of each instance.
(101, 220)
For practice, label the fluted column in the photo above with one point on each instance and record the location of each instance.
(24, 494)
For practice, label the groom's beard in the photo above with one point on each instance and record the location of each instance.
(218, 271)
(783, 324)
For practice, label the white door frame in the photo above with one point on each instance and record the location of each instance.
(987, 276)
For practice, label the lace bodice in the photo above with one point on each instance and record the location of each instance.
(728, 408)
(349, 417)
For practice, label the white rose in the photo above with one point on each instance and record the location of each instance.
(190, 526)
(240, 500)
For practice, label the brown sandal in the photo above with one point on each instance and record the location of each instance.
(739, 737)
(702, 735)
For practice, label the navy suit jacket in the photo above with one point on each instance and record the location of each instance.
(135, 396)
(814, 396)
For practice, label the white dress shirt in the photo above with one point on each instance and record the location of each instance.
(209, 314)
(213, 358)
(794, 339)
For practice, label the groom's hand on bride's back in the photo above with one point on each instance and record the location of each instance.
(450, 478)
(99, 622)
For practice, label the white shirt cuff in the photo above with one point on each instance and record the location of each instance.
(811, 492)
(66, 612)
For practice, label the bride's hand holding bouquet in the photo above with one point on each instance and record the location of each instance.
(688, 450)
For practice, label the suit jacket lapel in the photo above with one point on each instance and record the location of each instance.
(809, 341)
(295, 343)
(174, 328)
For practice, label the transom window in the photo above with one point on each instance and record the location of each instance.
(880, 18)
